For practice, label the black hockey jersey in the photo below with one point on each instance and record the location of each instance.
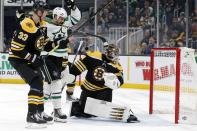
(28, 39)
(96, 64)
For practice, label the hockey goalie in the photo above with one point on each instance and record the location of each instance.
(104, 74)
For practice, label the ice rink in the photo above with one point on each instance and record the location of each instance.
(13, 109)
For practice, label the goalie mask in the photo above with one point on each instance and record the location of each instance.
(59, 14)
(112, 52)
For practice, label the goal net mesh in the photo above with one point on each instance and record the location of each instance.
(174, 83)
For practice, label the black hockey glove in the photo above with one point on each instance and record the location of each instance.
(70, 4)
(36, 61)
(20, 15)
(62, 42)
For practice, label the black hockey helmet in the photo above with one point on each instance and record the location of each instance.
(112, 52)
(40, 5)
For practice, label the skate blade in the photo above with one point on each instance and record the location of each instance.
(35, 126)
(50, 122)
(60, 120)
(134, 121)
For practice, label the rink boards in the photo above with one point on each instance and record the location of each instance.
(136, 71)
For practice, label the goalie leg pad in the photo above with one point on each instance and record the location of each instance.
(108, 110)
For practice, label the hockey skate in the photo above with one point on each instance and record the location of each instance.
(46, 117)
(35, 121)
(76, 110)
(59, 116)
(132, 118)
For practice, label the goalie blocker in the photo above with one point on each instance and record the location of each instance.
(105, 109)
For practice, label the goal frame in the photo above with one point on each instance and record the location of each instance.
(177, 80)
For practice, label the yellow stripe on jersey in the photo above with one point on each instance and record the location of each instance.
(117, 65)
(95, 54)
(81, 63)
(80, 66)
(97, 87)
(36, 97)
(28, 25)
(91, 86)
(17, 44)
(43, 23)
(118, 74)
(16, 49)
(35, 103)
(13, 56)
(90, 89)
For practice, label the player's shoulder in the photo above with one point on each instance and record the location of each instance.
(117, 65)
(28, 25)
(43, 23)
(95, 54)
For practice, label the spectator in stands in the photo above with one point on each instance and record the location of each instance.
(132, 21)
(182, 20)
(194, 27)
(147, 14)
(143, 48)
(111, 18)
(138, 16)
(151, 44)
(168, 7)
(146, 36)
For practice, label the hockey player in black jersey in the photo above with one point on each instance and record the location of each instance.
(27, 42)
(104, 73)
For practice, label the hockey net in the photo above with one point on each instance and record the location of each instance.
(173, 84)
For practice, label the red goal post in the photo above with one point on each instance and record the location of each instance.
(171, 71)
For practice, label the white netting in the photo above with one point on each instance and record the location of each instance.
(164, 84)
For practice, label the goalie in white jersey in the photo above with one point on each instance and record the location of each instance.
(56, 53)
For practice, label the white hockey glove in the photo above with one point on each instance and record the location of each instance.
(111, 80)
(67, 77)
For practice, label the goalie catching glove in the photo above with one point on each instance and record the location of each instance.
(111, 80)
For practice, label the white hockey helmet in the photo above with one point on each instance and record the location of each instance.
(59, 12)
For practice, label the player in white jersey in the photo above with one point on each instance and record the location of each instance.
(55, 55)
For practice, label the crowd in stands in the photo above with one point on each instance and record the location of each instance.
(142, 13)
(172, 24)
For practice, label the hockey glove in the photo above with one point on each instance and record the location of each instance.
(36, 61)
(69, 94)
(111, 81)
(20, 14)
(70, 4)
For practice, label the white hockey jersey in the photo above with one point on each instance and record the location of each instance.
(56, 31)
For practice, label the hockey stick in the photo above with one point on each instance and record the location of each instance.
(78, 50)
(105, 43)
(99, 10)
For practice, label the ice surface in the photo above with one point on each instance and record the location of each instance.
(13, 109)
